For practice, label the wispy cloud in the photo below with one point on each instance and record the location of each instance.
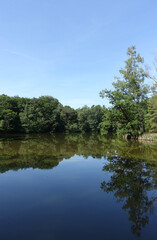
(25, 56)
(12, 52)
(94, 29)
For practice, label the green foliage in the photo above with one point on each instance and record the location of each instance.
(130, 182)
(151, 117)
(41, 115)
(89, 118)
(45, 114)
(9, 114)
(46, 150)
(83, 123)
(109, 122)
(129, 97)
(95, 117)
(69, 119)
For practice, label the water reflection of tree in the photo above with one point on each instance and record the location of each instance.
(45, 151)
(130, 182)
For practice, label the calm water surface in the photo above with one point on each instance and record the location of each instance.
(77, 187)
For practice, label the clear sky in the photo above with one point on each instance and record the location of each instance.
(71, 49)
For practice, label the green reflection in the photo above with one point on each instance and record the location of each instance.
(45, 151)
(130, 182)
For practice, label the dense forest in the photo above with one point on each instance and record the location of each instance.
(133, 108)
(46, 114)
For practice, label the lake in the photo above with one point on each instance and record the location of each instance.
(77, 187)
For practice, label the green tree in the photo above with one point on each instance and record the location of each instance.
(95, 118)
(9, 114)
(129, 97)
(41, 115)
(89, 118)
(83, 123)
(151, 117)
(109, 124)
(69, 119)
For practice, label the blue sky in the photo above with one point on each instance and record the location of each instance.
(71, 49)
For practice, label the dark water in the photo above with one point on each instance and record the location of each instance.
(77, 187)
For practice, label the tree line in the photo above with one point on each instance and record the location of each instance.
(46, 114)
(133, 108)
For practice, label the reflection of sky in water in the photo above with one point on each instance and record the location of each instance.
(65, 200)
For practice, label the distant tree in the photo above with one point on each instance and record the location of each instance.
(45, 114)
(69, 119)
(83, 123)
(95, 118)
(151, 116)
(89, 118)
(41, 115)
(9, 114)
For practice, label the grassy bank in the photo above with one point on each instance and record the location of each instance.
(148, 137)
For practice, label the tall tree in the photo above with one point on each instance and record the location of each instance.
(129, 97)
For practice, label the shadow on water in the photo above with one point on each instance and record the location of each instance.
(133, 165)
